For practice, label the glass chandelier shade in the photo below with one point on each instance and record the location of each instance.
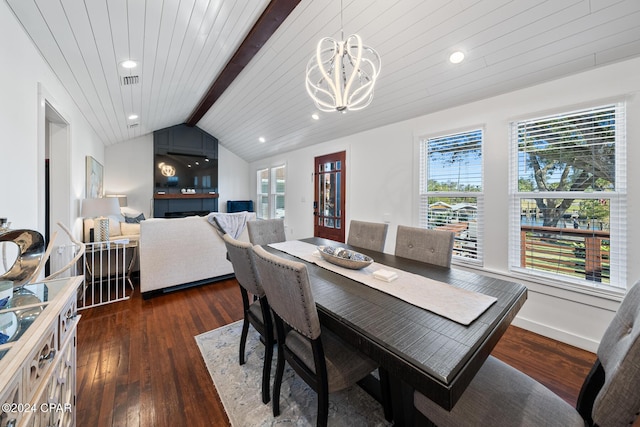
(342, 74)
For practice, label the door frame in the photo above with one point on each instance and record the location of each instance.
(54, 141)
(338, 234)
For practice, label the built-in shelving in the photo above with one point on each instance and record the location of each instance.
(179, 144)
(186, 196)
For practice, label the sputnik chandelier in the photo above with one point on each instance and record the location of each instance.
(342, 74)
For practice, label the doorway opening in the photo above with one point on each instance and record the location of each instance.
(57, 180)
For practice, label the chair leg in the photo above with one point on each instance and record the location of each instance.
(243, 338)
(277, 382)
(323, 408)
(266, 370)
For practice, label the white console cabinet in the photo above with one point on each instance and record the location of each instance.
(38, 354)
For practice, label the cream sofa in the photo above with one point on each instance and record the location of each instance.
(180, 252)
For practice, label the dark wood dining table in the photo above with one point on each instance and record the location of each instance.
(419, 350)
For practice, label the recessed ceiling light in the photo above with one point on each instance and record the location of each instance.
(133, 117)
(261, 139)
(315, 116)
(456, 57)
(129, 64)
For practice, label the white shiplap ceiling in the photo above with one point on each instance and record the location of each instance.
(184, 44)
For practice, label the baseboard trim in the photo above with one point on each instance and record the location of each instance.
(156, 292)
(556, 334)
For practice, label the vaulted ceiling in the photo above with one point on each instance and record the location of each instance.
(183, 46)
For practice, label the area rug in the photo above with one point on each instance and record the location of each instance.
(239, 387)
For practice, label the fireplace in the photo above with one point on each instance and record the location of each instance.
(184, 214)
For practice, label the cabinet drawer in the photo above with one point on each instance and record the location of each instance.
(39, 362)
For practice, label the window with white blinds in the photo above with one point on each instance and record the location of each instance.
(277, 191)
(451, 194)
(271, 186)
(262, 205)
(568, 197)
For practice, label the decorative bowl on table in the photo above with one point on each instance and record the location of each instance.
(344, 257)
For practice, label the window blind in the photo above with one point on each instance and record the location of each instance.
(262, 208)
(271, 184)
(568, 196)
(451, 193)
(278, 185)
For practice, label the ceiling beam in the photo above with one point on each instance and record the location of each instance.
(274, 15)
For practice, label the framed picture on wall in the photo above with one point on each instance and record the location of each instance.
(94, 178)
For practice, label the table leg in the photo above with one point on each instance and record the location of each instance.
(131, 264)
(386, 394)
(401, 402)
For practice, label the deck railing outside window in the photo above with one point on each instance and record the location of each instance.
(577, 253)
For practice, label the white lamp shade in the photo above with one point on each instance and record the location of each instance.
(104, 206)
(122, 199)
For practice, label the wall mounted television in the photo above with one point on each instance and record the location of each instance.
(188, 171)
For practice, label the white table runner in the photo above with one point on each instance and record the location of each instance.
(460, 305)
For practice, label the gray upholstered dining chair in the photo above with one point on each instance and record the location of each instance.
(256, 312)
(265, 231)
(421, 244)
(500, 395)
(367, 235)
(319, 357)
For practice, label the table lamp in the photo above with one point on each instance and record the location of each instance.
(99, 209)
(122, 199)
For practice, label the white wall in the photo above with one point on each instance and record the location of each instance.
(233, 178)
(129, 171)
(382, 182)
(25, 80)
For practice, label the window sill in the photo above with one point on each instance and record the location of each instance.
(608, 299)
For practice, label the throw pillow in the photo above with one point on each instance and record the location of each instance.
(134, 220)
(129, 229)
(114, 226)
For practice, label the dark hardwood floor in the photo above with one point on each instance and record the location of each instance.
(139, 365)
